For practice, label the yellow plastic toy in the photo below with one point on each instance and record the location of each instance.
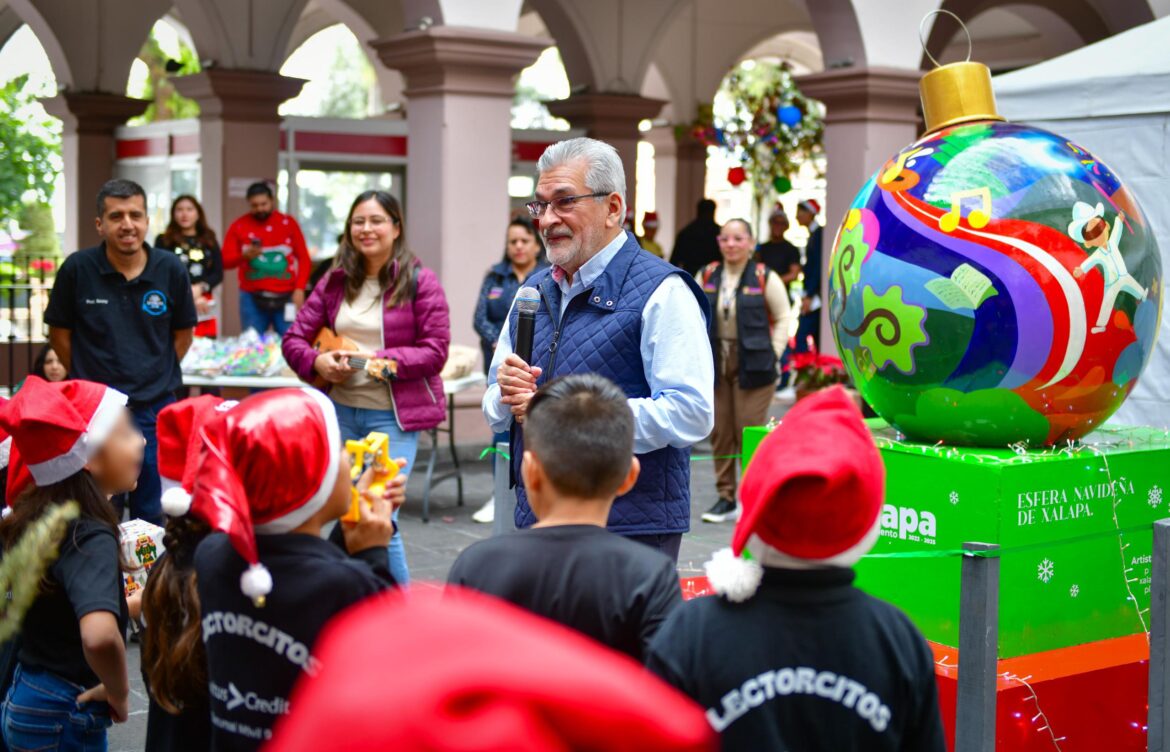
(372, 451)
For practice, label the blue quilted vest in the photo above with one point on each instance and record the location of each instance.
(601, 332)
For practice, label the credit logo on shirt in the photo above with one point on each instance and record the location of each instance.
(907, 523)
(154, 303)
(233, 699)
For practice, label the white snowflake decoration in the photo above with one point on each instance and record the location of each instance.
(1044, 571)
(1154, 498)
(1074, 591)
(954, 497)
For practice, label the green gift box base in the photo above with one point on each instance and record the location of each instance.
(1074, 525)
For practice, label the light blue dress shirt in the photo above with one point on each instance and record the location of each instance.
(676, 356)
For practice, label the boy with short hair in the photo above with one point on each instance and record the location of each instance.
(793, 656)
(579, 456)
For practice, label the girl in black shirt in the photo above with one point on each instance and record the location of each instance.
(194, 242)
(174, 663)
(71, 680)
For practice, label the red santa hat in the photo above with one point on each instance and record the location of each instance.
(812, 205)
(5, 440)
(266, 466)
(178, 451)
(650, 219)
(18, 477)
(19, 480)
(458, 685)
(812, 495)
(57, 427)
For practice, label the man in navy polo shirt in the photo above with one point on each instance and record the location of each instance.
(121, 314)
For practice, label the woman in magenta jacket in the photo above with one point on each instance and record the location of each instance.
(389, 306)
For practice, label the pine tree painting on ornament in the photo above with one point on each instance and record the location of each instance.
(993, 283)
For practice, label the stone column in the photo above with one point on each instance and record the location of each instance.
(612, 118)
(239, 142)
(87, 150)
(460, 83)
(690, 178)
(870, 115)
(665, 183)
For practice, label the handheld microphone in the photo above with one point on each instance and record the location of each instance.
(527, 301)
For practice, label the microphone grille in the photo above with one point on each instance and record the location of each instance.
(527, 300)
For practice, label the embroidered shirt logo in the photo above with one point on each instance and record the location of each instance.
(154, 303)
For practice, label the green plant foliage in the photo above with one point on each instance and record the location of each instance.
(28, 158)
(165, 101)
(39, 251)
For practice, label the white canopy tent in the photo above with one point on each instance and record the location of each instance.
(1113, 98)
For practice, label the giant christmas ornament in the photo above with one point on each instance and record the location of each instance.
(993, 283)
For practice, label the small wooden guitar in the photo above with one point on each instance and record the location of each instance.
(379, 369)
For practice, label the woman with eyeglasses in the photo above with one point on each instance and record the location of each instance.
(390, 314)
(749, 329)
(523, 255)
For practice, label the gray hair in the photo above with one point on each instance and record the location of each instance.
(603, 166)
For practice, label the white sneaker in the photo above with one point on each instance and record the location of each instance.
(487, 513)
(724, 510)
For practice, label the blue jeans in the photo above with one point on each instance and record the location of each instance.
(252, 316)
(357, 423)
(145, 500)
(41, 713)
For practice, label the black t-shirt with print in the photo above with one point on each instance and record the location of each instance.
(255, 655)
(85, 578)
(122, 331)
(204, 261)
(612, 589)
(809, 664)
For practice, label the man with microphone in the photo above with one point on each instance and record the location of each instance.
(608, 307)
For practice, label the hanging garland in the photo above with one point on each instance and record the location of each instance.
(773, 130)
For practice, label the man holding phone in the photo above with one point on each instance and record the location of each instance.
(269, 250)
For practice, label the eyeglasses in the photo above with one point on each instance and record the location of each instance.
(562, 205)
(358, 223)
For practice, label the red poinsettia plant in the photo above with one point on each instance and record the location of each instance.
(813, 370)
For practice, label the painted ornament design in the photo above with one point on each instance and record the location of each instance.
(992, 284)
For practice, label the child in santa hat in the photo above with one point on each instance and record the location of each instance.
(450, 679)
(271, 475)
(793, 656)
(78, 443)
(174, 663)
(579, 456)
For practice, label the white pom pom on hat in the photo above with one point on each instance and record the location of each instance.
(734, 577)
(176, 502)
(256, 583)
(178, 449)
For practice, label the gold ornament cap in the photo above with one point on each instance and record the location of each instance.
(957, 93)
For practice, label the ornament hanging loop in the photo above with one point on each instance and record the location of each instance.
(922, 32)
